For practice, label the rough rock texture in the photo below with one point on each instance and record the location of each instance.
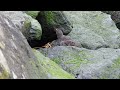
(115, 15)
(29, 26)
(93, 29)
(103, 63)
(33, 14)
(17, 60)
(50, 19)
(100, 56)
(50, 69)
(15, 53)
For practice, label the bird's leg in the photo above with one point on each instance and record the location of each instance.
(48, 45)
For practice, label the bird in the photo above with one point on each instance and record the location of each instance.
(63, 40)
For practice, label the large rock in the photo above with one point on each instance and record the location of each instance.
(50, 19)
(29, 26)
(50, 69)
(93, 29)
(17, 60)
(103, 63)
(115, 16)
(15, 53)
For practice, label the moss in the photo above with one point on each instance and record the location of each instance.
(116, 64)
(56, 60)
(72, 61)
(3, 73)
(33, 14)
(32, 29)
(50, 17)
(27, 24)
(109, 71)
(2, 45)
(26, 28)
(76, 61)
(34, 70)
(50, 68)
(37, 32)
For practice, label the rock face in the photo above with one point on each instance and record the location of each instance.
(29, 26)
(86, 64)
(115, 15)
(93, 29)
(17, 60)
(48, 20)
(15, 53)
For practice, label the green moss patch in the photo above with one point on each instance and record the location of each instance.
(51, 69)
(112, 71)
(33, 14)
(3, 73)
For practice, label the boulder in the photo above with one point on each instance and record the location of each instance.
(50, 69)
(103, 63)
(50, 19)
(93, 29)
(29, 26)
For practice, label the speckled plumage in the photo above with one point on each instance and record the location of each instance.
(63, 40)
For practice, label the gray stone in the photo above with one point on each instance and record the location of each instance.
(86, 64)
(93, 29)
(51, 19)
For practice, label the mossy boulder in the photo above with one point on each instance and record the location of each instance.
(93, 29)
(33, 30)
(28, 25)
(50, 19)
(86, 64)
(4, 73)
(33, 14)
(50, 68)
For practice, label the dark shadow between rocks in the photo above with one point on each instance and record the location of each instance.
(48, 21)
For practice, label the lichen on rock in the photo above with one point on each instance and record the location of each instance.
(33, 14)
(50, 68)
(4, 74)
(84, 63)
(93, 29)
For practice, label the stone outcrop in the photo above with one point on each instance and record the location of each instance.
(103, 63)
(115, 16)
(93, 29)
(50, 19)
